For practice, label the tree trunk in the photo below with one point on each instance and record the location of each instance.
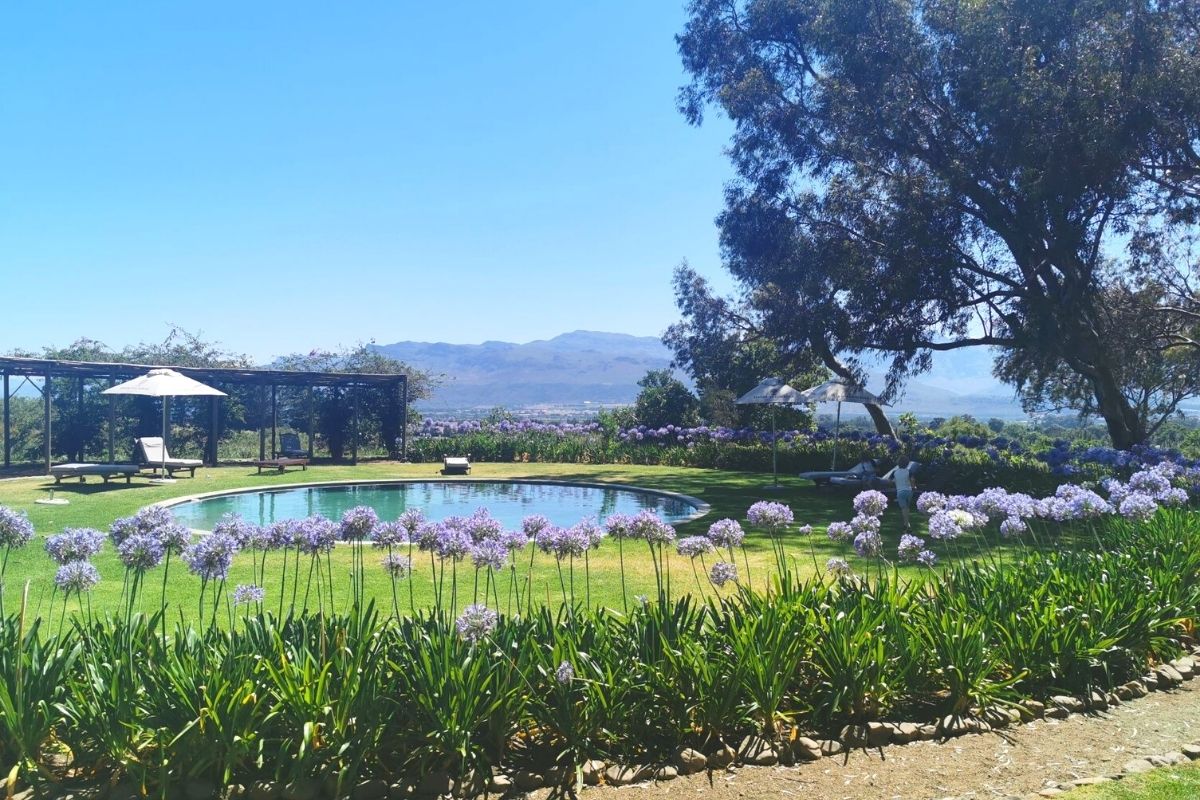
(883, 425)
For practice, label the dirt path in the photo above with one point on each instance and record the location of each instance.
(1012, 763)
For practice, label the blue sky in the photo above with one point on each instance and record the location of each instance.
(284, 176)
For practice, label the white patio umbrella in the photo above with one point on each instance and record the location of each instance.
(838, 391)
(772, 392)
(164, 383)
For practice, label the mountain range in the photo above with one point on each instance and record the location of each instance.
(584, 369)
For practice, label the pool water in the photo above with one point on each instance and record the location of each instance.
(508, 501)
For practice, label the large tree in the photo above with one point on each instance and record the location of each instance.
(924, 175)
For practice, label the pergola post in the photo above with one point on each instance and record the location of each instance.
(79, 411)
(262, 430)
(7, 426)
(46, 423)
(354, 428)
(214, 422)
(403, 391)
(112, 424)
(274, 420)
(312, 413)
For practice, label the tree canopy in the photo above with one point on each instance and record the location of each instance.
(924, 175)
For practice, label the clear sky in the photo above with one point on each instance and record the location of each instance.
(283, 176)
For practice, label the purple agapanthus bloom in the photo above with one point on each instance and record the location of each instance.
(452, 542)
(910, 546)
(175, 537)
(839, 532)
(476, 623)
(482, 525)
(211, 556)
(76, 576)
(619, 526)
(649, 527)
(871, 502)
(868, 544)
(514, 540)
(1149, 482)
(838, 567)
(74, 544)
(726, 533)
(1174, 497)
(316, 535)
(489, 554)
(141, 551)
(942, 526)
(389, 534)
(248, 594)
(534, 524)
(565, 673)
(694, 546)
(396, 565)
(931, 502)
(358, 524)
(865, 522)
(284, 534)
(804, 530)
(411, 520)
(1138, 507)
(772, 516)
(237, 528)
(1012, 526)
(146, 520)
(722, 573)
(927, 558)
(591, 530)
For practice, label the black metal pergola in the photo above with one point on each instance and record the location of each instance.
(266, 380)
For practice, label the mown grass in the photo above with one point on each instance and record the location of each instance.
(96, 505)
(1172, 783)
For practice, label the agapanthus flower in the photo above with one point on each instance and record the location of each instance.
(141, 551)
(839, 532)
(211, 556)
(804, 530)
(871, 502)
(1139, 507)
(74, 544)
(868, 544)
(726, 533)
(396, 565)
(865, 522)
(476, 623)
(963, 519)
(76, 576)
(942, 526)
(993, 500)
(388, 534)
(838, 567)
(619, 526)
(316, 535)
(146, 520)
(452, 542)
(910, 546)
(931, 502)
(1012, 526)
(565, 673)
(649, 527)
(1149, 482)
(247, 593)
(175, 537)
(411, 520)
(694, 546)
(513, 540)
(237, 528)
(772, 516)
(15, 528)
(489, 554)
(482, 525)
(1174, 497)
(534, 524)
(723, 572)
(927, 558)
(358, 523)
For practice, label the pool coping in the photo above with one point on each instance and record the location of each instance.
(700, 508)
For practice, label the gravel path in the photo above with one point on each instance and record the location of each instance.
(1011, 763)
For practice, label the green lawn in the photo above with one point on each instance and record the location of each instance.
(1172, 783)
(730, 494)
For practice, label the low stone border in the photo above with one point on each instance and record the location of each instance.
(752, 751)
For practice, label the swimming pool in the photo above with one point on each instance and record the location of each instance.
(508, 501)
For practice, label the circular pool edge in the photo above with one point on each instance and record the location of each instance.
(699, 507)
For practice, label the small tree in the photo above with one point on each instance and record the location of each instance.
(664, 400)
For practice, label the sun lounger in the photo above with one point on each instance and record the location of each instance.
(281, 464)
(860, 472)
(456, 465)
(151, 454)
(105, 471)
(289, 446)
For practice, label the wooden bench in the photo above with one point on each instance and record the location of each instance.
(82, 470)
(281, 464)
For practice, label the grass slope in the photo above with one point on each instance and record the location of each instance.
(1173, 783)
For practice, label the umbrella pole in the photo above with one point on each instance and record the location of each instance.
(837, 427)
(162, 478)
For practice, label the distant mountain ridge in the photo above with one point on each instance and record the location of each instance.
(585, 368)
